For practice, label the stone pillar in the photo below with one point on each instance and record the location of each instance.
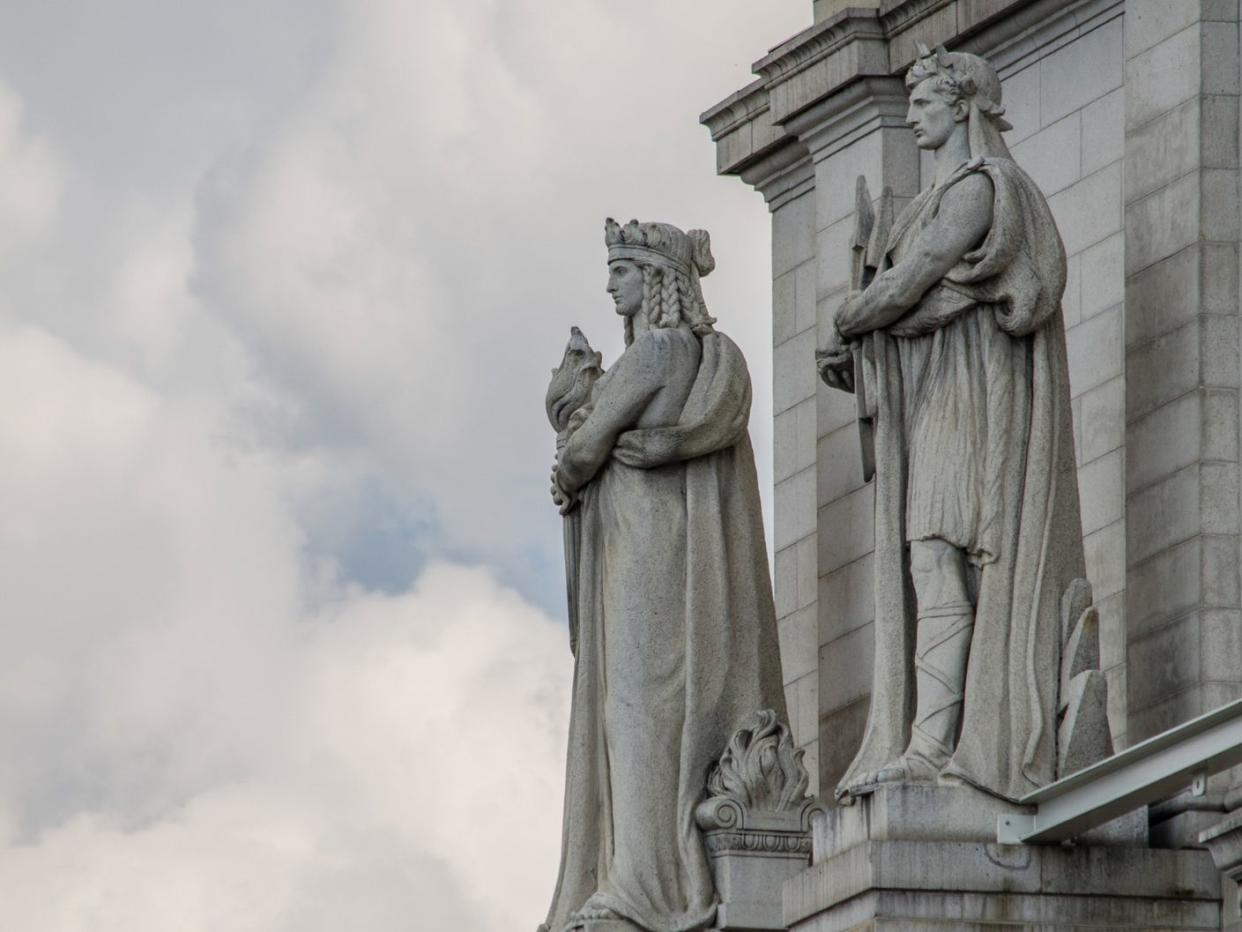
(793, 394)
(1183, 618)
(778, 166)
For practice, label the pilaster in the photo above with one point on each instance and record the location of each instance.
(1183, 608)
(858, 131)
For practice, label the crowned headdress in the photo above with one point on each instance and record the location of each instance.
(662, 244)
(684, 256)
(974, 80)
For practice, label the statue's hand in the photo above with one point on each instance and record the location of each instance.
(835, 363)
(564, 501)
(849, 318)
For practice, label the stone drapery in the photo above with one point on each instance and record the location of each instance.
(677, 643)
(976, 374)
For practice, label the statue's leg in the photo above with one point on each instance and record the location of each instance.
(946, 620)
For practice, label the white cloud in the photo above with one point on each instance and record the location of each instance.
(224, 750)
(30, 185)
(205, 741)
(274, 541)
(405, 249)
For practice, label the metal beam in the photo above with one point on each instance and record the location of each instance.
(1149, 771)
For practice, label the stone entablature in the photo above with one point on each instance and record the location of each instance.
(857, 42)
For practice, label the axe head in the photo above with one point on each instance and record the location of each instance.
(864, 215)
(877, 243)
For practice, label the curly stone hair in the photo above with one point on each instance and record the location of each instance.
(960, 76)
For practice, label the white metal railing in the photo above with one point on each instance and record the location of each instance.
(1151, 770)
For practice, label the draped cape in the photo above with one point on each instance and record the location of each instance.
(677, 648)
(998, 312)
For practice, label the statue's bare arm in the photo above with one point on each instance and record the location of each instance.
(635, 381)
(963, 220)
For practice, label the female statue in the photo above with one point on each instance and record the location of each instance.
(676, 636)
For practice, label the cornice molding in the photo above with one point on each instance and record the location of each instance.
(838, 120)
(782, 174)
(819, 41)
(807, 84)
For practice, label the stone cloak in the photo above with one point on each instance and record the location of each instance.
(1015, 280)
(668, 665)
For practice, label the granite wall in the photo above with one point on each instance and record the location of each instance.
(1125, 112)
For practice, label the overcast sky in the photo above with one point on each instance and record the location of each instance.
(283, 643)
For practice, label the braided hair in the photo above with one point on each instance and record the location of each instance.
(669, 298)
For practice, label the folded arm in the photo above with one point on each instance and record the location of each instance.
(635, 380)
(962, 221)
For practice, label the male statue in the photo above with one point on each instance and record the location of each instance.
(957, 344)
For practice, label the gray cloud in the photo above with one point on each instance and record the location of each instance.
(283, 283)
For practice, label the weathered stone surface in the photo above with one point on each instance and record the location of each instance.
(905, 884)
(923, 812)
(1182, 216)
(1224, 841)
(1083, 737)
(924, 348)
(677, 643)
(910, 812)
(756, 823)
(1164, 521)
(1082, 649)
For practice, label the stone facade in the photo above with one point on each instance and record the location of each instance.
(1181, 180)
(1125, 112)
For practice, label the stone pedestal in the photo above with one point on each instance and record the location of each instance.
(756, 824)
(750, 866)
(925, 858)
(1224, 841)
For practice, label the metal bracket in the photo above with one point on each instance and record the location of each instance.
(1012, 828)
(1144, 773)
(1198, 785)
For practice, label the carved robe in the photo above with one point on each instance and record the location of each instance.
(677, 643)
(973, 445)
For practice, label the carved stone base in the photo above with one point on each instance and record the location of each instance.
(750, 868)
(756, 823)
(924, 857)
(941, 813)
(1224, 841)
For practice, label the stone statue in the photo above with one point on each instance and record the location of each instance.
(675, 642)
(955, 345)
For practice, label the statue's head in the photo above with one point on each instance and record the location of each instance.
(654, 270)
(952, 88)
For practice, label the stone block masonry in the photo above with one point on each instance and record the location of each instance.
(1126, 114)
(1183, 615)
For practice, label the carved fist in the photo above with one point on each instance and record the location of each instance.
(849, 315)
(835, 363)
(565, 503)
